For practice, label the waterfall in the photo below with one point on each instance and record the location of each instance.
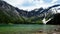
(54, 11)
(44, 20)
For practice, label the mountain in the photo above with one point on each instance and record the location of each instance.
(36, 12)
(31, 13)
(13, 15)
(22, 12)
(8, 13)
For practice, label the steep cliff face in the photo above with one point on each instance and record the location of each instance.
(8, 9)
(8, 12)
(11, 14)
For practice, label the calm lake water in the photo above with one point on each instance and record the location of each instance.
(28, 29)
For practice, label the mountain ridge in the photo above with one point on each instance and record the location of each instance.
(11, 14)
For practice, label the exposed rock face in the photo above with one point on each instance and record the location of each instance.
(12, 13)
(8, 9)
(7, 12)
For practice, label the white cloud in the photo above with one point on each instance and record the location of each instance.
(36, 4)
(53, 1)
(14, 2)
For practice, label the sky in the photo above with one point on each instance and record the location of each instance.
(32, 4)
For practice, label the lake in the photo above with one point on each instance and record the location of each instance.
(29, 29)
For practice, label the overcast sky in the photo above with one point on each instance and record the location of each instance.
(32, 4)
